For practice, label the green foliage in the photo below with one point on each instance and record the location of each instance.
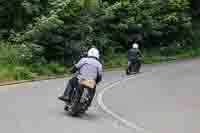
(14, 72)
(196, 39)
(195, 4)
(47, 69)
(20, 54)
(47, 33)
(19, 62)
(10, 54)
(115, 60)
(68, 29)
(16, 14)
(22, 72)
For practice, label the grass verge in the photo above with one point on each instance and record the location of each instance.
(16, 72)
(154, 56)
(11, 69)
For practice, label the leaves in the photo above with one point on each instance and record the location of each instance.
(64, 28)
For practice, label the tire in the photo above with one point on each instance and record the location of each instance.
(88, 103)
(138, 66)
(129, 69)
(75, 109)
(66, 108)
(127, 72)
(93, 92)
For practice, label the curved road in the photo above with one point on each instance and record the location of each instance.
(163, 99)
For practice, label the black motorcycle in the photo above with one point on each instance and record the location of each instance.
(81, 98)
(134, 67)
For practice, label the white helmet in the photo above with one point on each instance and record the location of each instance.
(94, 53)
(135, 45)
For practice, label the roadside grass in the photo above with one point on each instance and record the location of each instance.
(11, 68)
(15, 72)
(14, 67)
(154, 56)
(12, 72)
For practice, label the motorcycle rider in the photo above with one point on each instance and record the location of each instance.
(88, 68)
(133, 54)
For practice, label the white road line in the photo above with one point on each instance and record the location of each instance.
(127, 123)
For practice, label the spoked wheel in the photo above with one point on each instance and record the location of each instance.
(137, 67)
(74, 107)
(130, 70)
(87, 103)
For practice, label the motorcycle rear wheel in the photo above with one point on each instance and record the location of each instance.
(74, 108)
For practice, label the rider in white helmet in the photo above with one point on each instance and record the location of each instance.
(133, 54)
(93, 52)
(87, 68)
(135, 46)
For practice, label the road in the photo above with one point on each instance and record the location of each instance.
(162, 99)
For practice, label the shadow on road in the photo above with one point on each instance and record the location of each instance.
(88, 116)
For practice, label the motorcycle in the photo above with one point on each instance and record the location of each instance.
(134, 67)
(81, 98)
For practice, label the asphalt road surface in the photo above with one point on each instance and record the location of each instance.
(162, 99)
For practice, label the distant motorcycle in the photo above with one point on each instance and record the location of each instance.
(134, 67)
(81, 98)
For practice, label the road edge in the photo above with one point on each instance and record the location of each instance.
(127, 123)
(32, 80)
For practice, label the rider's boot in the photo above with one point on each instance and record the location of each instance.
(64, 98)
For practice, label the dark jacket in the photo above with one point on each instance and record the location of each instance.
(133, 54)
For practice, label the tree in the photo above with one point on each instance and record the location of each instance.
(195, 4)
(16, 14)
(91, 4)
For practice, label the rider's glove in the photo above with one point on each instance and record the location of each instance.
(73, 70)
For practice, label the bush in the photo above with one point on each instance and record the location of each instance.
(68, 30)
(196, 39)
(14, 72)
(56, 68)
(64, 30)
(16, 14)
(47, 69)
(21, 73)
(20, 54)
(19, 62)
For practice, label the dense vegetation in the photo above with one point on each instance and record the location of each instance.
(41, 34)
